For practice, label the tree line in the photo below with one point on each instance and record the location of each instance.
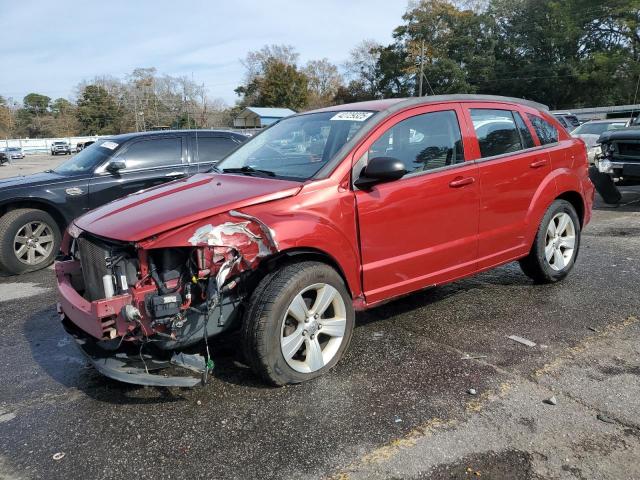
(564, 53)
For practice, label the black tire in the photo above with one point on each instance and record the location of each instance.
(265, 314)
(605, 186)
(535, 265)
(10, 223)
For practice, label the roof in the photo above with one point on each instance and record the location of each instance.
(267, 112)
(123, 137)
(396, 104)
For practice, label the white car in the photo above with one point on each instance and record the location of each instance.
(590, 133)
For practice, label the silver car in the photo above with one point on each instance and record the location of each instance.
(590, 132)
(14, 153)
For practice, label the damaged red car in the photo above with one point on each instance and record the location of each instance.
(321, 215)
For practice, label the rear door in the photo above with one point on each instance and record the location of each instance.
(422, 229)
(511, 166)
(149, 161)
(207, 149)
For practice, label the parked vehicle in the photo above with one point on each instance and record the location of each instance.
(377, 200)
(14, 153)
(60, 148)
(618, 163)
(567, 120)
(82, 145)
(590, 132)
(35, 209)
(4, 158)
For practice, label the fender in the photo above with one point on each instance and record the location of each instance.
(555, 184)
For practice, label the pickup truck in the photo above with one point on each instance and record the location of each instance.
(58, 148)
(618, 163)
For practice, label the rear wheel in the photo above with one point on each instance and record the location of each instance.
(556, 245)
(29, 240)
(298, 324)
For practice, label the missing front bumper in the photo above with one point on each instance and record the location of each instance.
(140, 367)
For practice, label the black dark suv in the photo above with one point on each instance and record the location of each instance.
(35, 209)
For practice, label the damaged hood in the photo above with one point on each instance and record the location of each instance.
(157, 210)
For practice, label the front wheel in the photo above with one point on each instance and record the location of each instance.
(556, 245)
(298, 323)
(29, 240)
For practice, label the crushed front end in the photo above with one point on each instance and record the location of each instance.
(139, 312)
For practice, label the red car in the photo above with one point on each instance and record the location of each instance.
(323, 214)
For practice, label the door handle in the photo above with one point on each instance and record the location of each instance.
(539, 163)
(175, 174)
(461, 182)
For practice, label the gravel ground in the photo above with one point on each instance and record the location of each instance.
(396, 406)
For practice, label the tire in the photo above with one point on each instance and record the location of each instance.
(269, 321)
(12, 223)
(537, 264)
(605, 186)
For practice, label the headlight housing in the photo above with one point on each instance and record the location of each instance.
(604, 166)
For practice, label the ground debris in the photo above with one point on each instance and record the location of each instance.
(472, 357)
(472, 391)
(551, 400)
(522, 340)
(58, 456)
(605, 418)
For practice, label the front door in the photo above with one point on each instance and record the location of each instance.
(422, 229)
(149, 162)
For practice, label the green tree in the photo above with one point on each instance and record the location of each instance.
(98, 112)
(36, 103)
(281, 86)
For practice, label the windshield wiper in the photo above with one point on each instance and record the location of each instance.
(215, 169)
(247, 170)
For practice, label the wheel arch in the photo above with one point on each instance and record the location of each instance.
(576, 200)
(37, 205)
(300, 254)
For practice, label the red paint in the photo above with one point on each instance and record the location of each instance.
(395, 238)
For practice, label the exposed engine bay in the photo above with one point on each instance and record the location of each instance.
(152, 304)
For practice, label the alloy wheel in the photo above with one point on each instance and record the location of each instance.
(33, 243)
(313, 328)
(560, 241)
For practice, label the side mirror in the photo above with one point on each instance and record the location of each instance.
(380, 169)
(114, 166)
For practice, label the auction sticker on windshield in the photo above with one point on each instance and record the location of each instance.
(109, 145)
(352, 116)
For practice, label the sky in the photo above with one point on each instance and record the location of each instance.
(48, 47)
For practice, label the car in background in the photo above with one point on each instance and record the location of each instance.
(590, 131)
(58, 148)
(82, 145)
(14, 153)
(567, 120)
(35, 209)
(4, 158)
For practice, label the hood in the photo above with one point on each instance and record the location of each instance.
(151, 212)
(630, 133)
(590, 139)
(37, 179)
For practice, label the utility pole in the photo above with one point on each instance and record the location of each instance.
(421, 64)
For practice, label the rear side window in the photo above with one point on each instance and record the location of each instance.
(156, 152)
(212, 149)
(525, 134)
(546, 132)
(424, 142)
(496, 131)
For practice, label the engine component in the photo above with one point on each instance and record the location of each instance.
(165, 305)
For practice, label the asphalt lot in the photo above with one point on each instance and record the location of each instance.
(396, 406)
(31, 164)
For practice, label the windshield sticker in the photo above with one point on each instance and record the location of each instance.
(352, 116)
(109, 145)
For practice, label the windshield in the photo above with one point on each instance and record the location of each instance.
(597, 128)
(296, 147)
(87, 160)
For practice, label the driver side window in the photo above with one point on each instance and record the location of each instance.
(424, 142)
